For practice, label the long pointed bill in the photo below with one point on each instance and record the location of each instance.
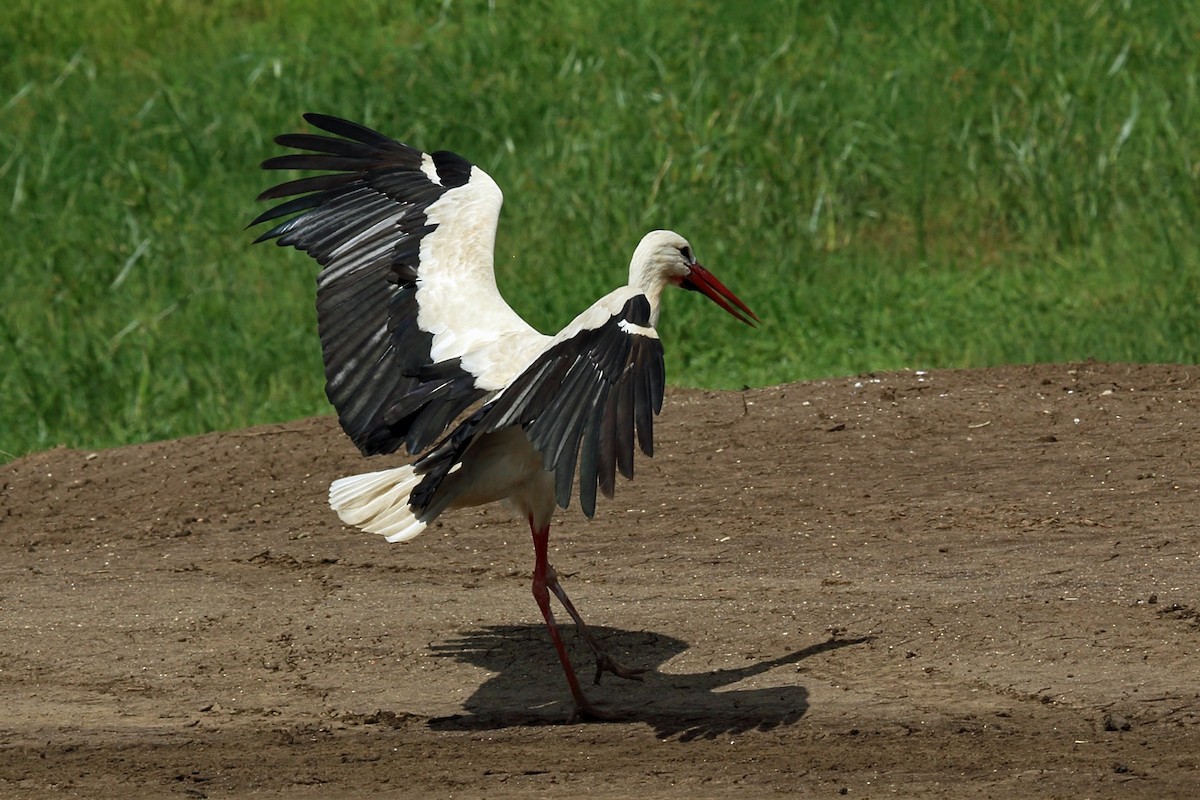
(703, 281)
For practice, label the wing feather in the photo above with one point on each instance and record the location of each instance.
(589, 453)
(623, 426)
(413, 328)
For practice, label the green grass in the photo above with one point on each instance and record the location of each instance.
(920, 184)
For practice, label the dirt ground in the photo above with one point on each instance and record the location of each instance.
(945, 585)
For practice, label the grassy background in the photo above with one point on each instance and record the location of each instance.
(888, 184)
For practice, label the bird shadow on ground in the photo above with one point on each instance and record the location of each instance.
(528, 687)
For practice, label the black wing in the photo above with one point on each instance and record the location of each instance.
(365, 222)
(584, 400)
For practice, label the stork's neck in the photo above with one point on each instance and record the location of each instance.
(653, 293)
(650, 283)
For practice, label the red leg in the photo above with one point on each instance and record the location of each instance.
(541, 566)
(603, 660)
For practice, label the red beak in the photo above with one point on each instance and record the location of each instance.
(703, 281)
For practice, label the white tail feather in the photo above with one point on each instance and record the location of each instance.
(377, 502)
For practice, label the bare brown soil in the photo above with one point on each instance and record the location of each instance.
(954, 584)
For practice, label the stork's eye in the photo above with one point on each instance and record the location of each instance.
(686, 252)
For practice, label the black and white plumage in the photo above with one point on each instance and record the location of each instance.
(415, 333)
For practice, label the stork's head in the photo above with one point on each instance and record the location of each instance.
(665, 257)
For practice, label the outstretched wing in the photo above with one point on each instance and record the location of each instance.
(413, 329)
(582, 401)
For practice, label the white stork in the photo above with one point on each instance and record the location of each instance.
(414, 332)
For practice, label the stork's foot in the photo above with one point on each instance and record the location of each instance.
(606, 663)
(586, 711)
